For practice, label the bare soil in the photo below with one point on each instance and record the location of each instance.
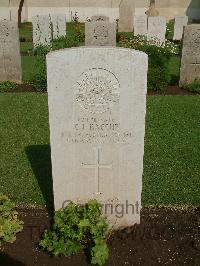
(171, 90)
(165, 236)
(24, 88)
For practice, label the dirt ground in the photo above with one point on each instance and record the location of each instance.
(171, 90)
(165, 236)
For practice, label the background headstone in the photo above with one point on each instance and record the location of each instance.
(42, 32)
(10, 60)
(140, 25)
(99, 18)
(152, 12)
(179, 23)
(58, 25)
(126, 15)
(190, 64)
(97, 124)
(100, 33)
(157, 29)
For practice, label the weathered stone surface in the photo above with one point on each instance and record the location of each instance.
(97, 106)
(157, 29)
(126, 15)
(180, 22)
(99, 18)
(10, 60)
(100, 33)
(152, 11)
(140, 25)
(42, 32)
(190, 64)
(58, 25)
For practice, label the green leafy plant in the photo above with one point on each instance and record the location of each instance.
(10, 225)
(67, 42)
(170, 30)
(78, 227)
(7, 86)
(74, 37)
(39, 79)
(158, 73)
(41, 50)
(193, 87)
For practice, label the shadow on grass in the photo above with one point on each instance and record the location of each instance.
(40, 159)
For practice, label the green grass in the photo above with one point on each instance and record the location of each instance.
(170, 30)
(26, 46)
(171, 161)
(172, 151)
(193, 87)
(174, 69)
(26, 31)
(24, 122)
(28, 67)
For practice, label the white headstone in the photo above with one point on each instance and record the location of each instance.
(140, 25)
(10, 60)
(190, 63)
(58, 25)
(157, 29)
(180, 22)
(42, 32)
(100, 33)
(97, 124)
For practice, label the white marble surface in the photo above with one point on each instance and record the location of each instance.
(190, 62)
(140, 25)
(42, 32)
(10, 59)
(58, 25)
(97, 112)
(157, 29)
(179, 24)
(100, 33)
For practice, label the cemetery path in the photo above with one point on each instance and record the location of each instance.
(166, 236)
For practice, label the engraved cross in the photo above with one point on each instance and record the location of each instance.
(196, 63)
(97, 166)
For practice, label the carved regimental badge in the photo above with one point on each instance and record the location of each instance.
(97, 90)
(101, 34)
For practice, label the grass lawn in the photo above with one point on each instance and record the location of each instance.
(28, 67)
(174, 69)
(26, 46)
(26, 31)
(171, 161)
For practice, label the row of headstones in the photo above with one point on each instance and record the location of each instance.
(98, 32)
(97, 121)
(155, 27)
